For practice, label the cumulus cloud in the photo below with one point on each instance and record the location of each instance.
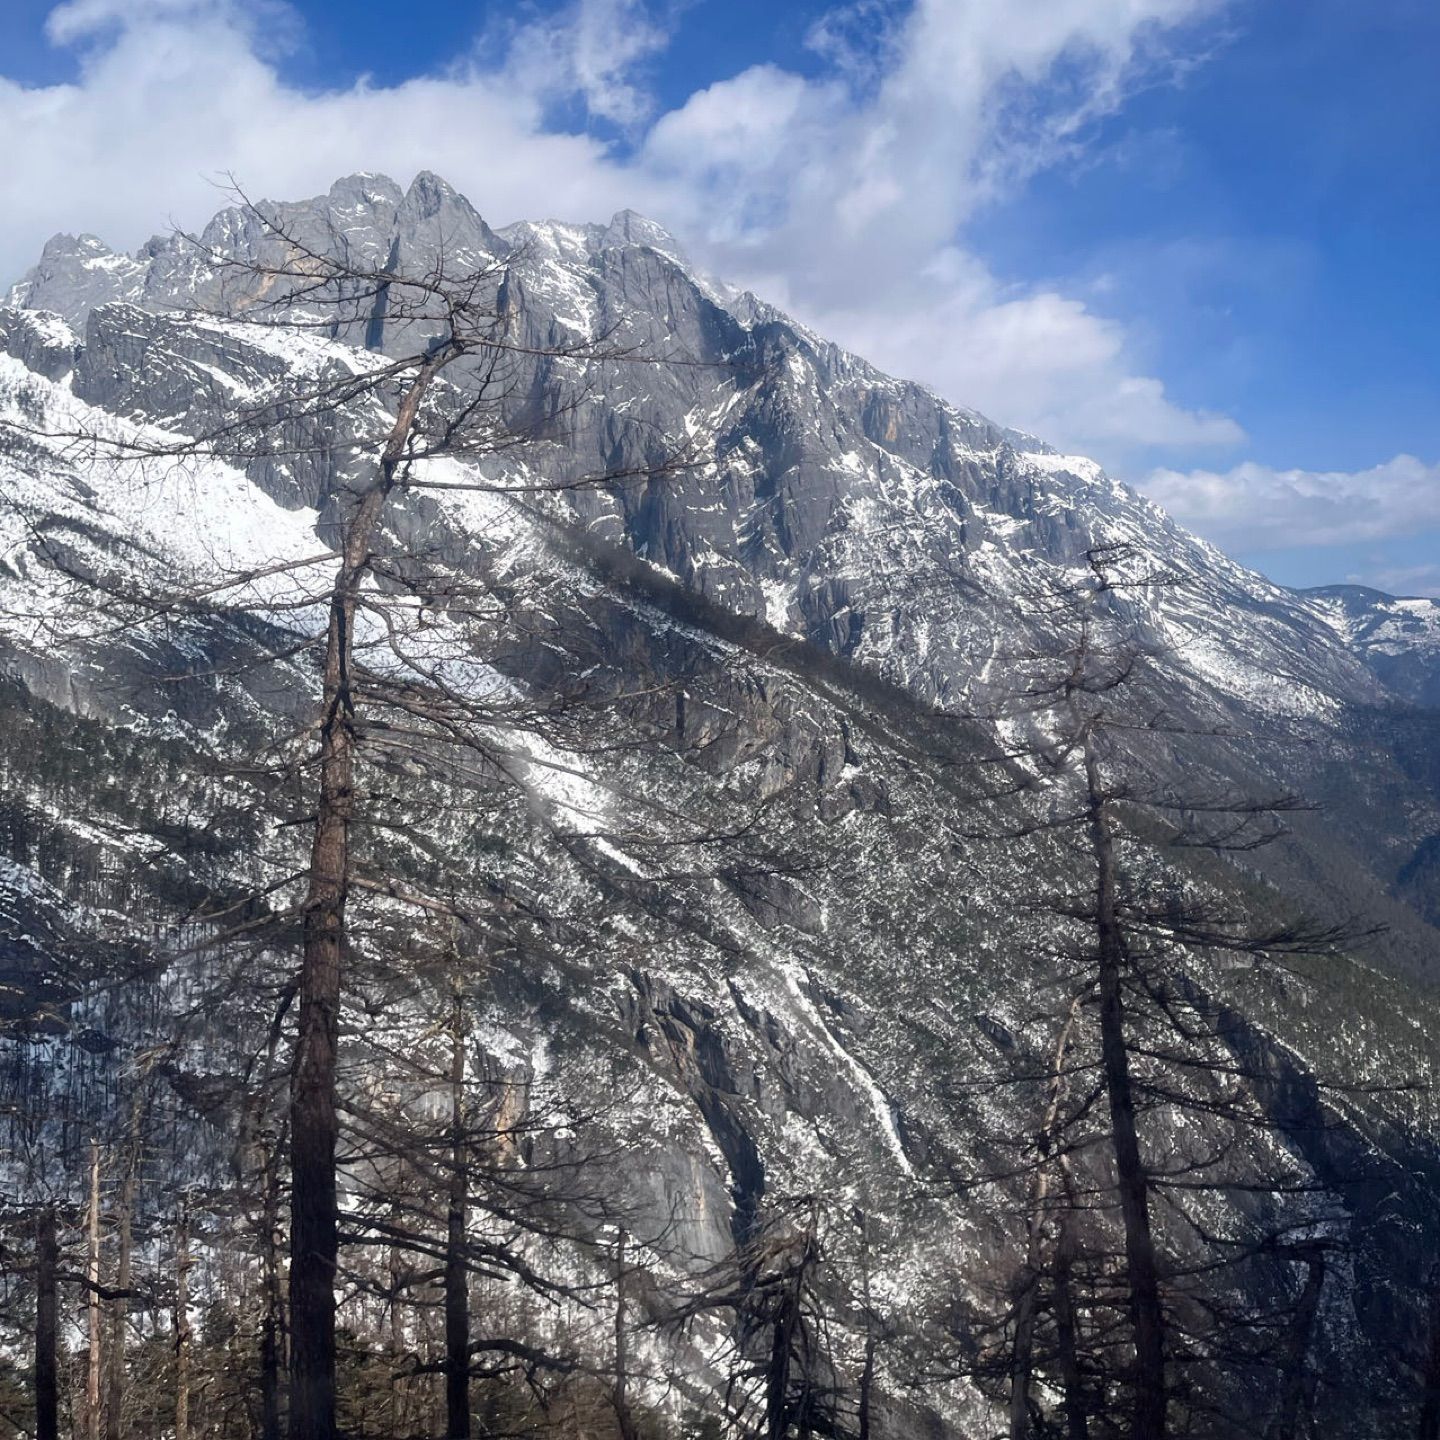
(842, 195)
(1040, 361)
(842, 198)
(173, 94)
(1254, 507)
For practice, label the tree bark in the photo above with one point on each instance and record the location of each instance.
(1067, 1337)
(867, 1381)
(777, 1374)
(866, 1397)
(1028, 1302)
(782, 1348)
(1022, 1352)
(624, 1419)
(398, 1407)
(1430, 1403)
(92, 1300)
(457, 1279)
(1294, 1365)
(1142, 1272)
(314, 1119)
(47, 1328)
(182, 1326)
(272, 1314)
(119, 1307)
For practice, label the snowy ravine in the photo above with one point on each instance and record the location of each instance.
(848, 560)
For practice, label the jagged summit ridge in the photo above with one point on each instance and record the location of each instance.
(821, 456)
(366, 212)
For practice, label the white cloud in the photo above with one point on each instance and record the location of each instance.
(842, 197)
(1253, 507)
(588, 50)
(175, 93)
(1040, 361)
(1400, 579)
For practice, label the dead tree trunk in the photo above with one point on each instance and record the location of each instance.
(1430, 1404)
(119, 1309)
(866, 1398)
(1142, 1271)
(787, 1328)
(620, 1398)
(1028, 1301)
(314, 1119)
(1067, 1337)
(457, 1279)
(182, 1326)
(867, 1380)
(47, 1328)
(399, 1408)
(1295, 1354)
(94, 1320)
(777, 1374)
(272, 1312)
(1027, 1307)
(119, 1305)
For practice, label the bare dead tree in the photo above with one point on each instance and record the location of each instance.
(620, 1396)
(1027, 1305)
(1295, 1383)
(47, 1326)
(1145, 921)
(1429, 1426)
(184, 1337)
(782, 1378)
(457, 1280)
(93, 1312)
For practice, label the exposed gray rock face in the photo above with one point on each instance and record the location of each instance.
(76, 274)
(833, 500)
(842, 553)
(41, 342)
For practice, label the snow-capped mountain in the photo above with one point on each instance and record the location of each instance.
(1397, 636)
(837, 574)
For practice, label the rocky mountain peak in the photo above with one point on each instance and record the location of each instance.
(628, 227)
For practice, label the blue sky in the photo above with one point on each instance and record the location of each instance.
(1195, 239)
